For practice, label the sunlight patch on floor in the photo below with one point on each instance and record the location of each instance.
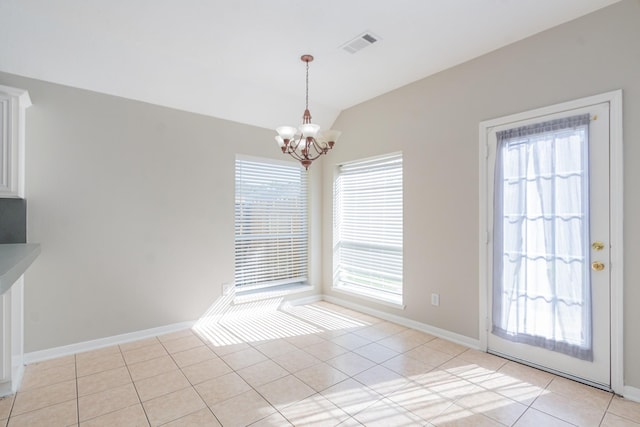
(228, 322)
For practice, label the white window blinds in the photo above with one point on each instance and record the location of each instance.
(270, 223)
(368, 227)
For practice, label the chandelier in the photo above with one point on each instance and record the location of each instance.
(306, 143)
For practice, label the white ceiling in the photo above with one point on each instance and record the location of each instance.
(239, 59)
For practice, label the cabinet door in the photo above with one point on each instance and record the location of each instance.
(6, 149)
(17, 332)
(5, 337)
(13, 103)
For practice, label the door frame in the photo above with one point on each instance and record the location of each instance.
(614, 99)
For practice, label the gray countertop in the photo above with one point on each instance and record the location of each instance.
(15, 258)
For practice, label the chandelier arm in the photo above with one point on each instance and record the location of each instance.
(315, 148)
(295, 143)
(293, 147)
(317, 155)
(294, 154)
(320, 148)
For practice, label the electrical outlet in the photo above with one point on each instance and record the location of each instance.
(435, 299)
(227, 288)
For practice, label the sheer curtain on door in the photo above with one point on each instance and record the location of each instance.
(541, 289)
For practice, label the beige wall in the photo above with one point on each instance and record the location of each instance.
(133, 205)
(435, 123)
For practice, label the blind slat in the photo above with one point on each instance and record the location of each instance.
(368, 225)
(271, 228)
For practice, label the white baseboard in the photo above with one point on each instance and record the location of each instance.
(441, 333)
(631, 393)
(52, 353)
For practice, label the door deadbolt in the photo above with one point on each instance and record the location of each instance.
(597, 246)
(597, 266)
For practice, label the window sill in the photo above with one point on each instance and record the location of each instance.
(373, 296)
(243, 296)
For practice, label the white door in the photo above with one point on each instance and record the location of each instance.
(548, 244)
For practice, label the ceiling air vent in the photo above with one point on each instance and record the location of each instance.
(360, 42)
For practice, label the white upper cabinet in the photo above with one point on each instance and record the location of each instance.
(13, 103)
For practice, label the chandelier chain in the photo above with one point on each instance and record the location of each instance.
(307, 85)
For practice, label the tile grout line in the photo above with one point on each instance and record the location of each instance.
(75, 368)
(153, 376)
(134, 385)
(278, 411)
(13, 403)
(619, 415)
(94, 393)
(193, 386)
(604, 414)
(319, 393)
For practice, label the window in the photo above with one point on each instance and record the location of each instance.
(270, 223)
(367, 226)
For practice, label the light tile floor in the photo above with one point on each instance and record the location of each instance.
(261, 364)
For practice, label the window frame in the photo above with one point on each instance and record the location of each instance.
(300, 279)
(387, 297)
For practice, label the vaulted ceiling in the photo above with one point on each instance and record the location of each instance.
(240, 59)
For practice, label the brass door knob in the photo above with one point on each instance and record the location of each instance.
(597, 246)
(597, 266)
